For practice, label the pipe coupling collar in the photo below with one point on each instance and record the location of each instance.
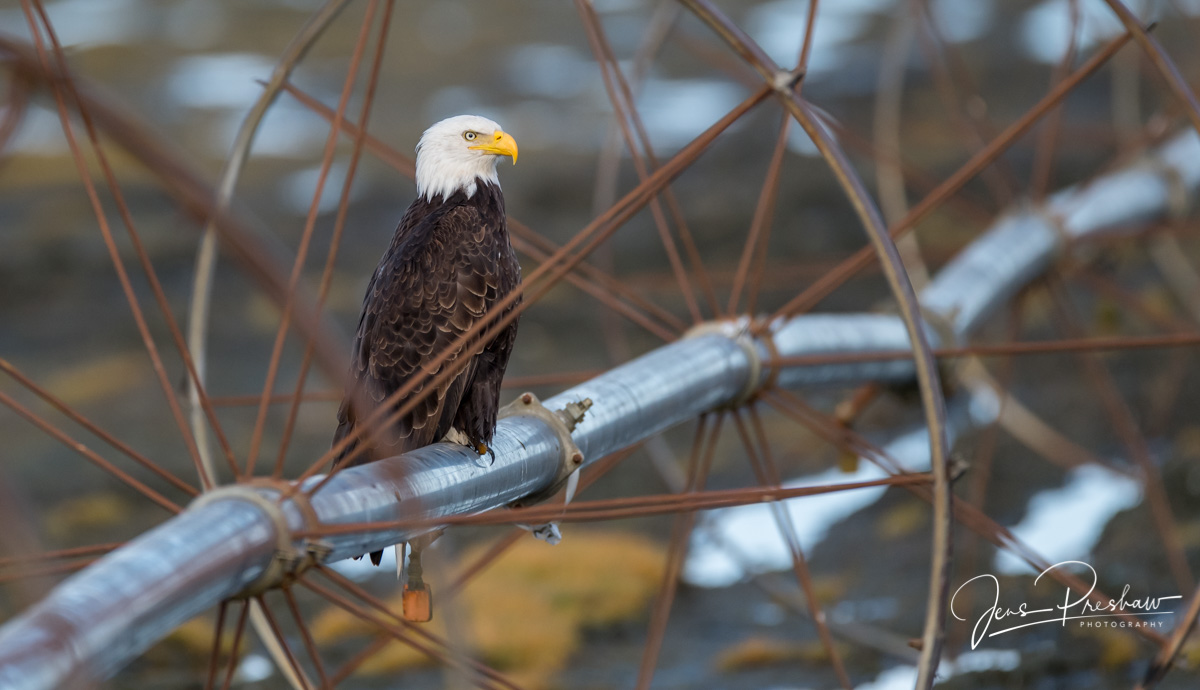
(290, 559)
(562, 423)
(739, 331)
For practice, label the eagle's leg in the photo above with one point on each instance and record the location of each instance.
(479, 444)
(458, 437)
(464, 439)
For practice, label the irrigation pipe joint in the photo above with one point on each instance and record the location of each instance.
(562, 423)
(292, 557)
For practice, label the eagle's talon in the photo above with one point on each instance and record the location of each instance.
(482, 449)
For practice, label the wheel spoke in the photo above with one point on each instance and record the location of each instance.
(624, 105)
(235, 650)
(703, 447)
(1126, 428)
(77, 417)
(339, 226)
(206, 258)
(1162, 62)
(397, 628)
(61, 89)
(985, 157)
(310, 222)
(769, 471)
(215, 656)
(277, 635)
(310, 645)
(91, 455)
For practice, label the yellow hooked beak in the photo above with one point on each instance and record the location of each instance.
(502, 144)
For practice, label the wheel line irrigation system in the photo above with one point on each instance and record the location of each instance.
(96, 621)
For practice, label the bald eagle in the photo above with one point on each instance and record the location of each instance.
(449, 262)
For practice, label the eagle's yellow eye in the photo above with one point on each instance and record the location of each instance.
(469, 136)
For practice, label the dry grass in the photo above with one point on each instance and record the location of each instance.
(525, 615)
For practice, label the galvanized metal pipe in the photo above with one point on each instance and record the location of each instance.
(97, 620)
(630, 402)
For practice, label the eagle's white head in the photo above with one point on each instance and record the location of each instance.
(458, 151)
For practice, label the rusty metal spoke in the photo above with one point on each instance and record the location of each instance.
(278, 635)
(214, 657)
(410, 635)
(950, 186)
(61, 90)
(699, 462)
(339, 226)
(310, 645)
(310, 222)
(77, 417)
(758, 451)
(88, 453)
(234, 653)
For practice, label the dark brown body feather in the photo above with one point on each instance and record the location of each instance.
(449, 263)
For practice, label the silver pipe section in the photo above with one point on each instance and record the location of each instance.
(833, 334)
(96, 621)
(629, 403)
(982, 278)
(100, 618)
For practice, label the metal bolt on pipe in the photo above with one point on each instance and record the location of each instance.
(97, 620)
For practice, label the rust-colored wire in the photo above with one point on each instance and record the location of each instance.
(1161, 61)
(981, 465)
(310, 222)
(277, 633)
(950, 186)
(143, 256)
(1126, 428)
(618, 508)
(310, 645)
(758, 452)
(45, 569)
(61, 90)
(699, 462)
(999, 179)
(181, 179)
(1044, 151)
(1101, 344)
(77, 417)
(214, 656)
(625, 107)
(339, 227)
(16, 102)
(95, 458)
(754, 252)
(238, 629)
(1165, 659)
